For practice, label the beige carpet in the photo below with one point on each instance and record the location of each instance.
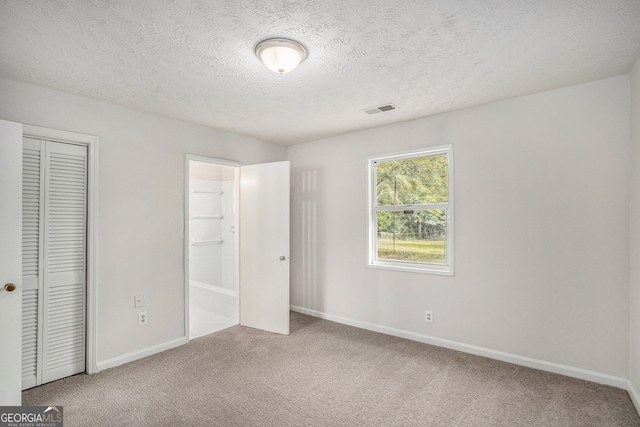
(327, 374)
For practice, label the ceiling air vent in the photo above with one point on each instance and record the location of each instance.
(380, 109)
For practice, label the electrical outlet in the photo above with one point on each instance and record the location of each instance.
(138, 301)
(142, 318)
(428, 316)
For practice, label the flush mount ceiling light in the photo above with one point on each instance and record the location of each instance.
(281, 55)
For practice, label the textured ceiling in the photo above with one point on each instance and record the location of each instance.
(194, 60)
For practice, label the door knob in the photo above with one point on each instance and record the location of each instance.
(282, 258)
(9, 287)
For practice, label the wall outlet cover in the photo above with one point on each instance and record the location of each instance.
(428, 316)
(142, 318)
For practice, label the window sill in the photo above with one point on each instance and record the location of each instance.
(412, 268)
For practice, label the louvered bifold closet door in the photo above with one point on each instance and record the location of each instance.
(63, 344)
(32, 182)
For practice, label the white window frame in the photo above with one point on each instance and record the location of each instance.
(373, 209)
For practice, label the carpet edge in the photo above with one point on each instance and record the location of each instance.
(528, 362)
(635, 396)
(139, 354)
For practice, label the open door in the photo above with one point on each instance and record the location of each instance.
(264, 246)
(10, 263)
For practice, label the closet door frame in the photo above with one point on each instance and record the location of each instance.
(91, 142)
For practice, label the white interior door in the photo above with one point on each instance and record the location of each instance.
(264, 246)
(10, 262)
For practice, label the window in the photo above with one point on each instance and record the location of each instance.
(411, 211)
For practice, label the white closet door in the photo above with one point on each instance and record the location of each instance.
(32, 191)
(64, 272)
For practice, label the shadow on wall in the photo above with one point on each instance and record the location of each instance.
(312, 294)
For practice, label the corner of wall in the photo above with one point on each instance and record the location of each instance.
(634, 237)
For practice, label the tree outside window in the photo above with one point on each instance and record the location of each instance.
(411, 217)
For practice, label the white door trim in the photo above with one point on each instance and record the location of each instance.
(188, 158)
(91, 142)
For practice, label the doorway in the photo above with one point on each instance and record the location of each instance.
(212, 246)
(236, 245)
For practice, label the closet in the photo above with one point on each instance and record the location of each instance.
(54, 220)
(212, 251)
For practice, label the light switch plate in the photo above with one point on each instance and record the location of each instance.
(139, 301)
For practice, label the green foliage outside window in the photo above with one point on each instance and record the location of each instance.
(416, 235)
(420, 180)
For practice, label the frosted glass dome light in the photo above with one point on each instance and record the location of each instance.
(281, 55)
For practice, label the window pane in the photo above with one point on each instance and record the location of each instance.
(414, 236)
(419, 180)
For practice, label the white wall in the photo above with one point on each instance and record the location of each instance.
(634, 235)
(541, 250)
(141, 196)
(542, 267)
(210, 171)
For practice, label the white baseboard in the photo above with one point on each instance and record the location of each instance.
(635, 396)
(139, 354)
(529, 362)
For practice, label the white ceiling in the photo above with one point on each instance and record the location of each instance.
(194, 60)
